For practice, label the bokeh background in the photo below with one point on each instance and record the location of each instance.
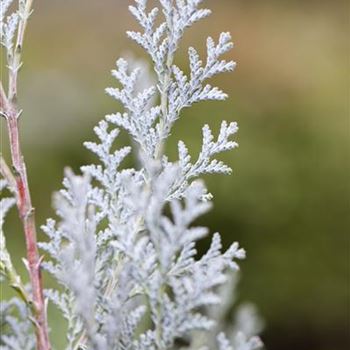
(287, 202)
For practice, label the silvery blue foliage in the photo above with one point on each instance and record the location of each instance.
(247, 325)
(238, 334)
(16, 328)
(9, 24)
(123, 246)
(149, 127)
(5, 203)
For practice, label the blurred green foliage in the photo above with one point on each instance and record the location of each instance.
(288, 200)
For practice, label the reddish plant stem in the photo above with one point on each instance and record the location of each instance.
(9, 109)
(26, 213)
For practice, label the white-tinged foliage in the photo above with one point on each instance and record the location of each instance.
(126, 240)
(16, 328)
(5, 203)
(150, 127)
(6, 266)
(9, 25)
(124, 245)
(8, 31)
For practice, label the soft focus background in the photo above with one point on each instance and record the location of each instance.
(287, 202)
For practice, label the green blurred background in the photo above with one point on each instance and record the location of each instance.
(287, 202)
